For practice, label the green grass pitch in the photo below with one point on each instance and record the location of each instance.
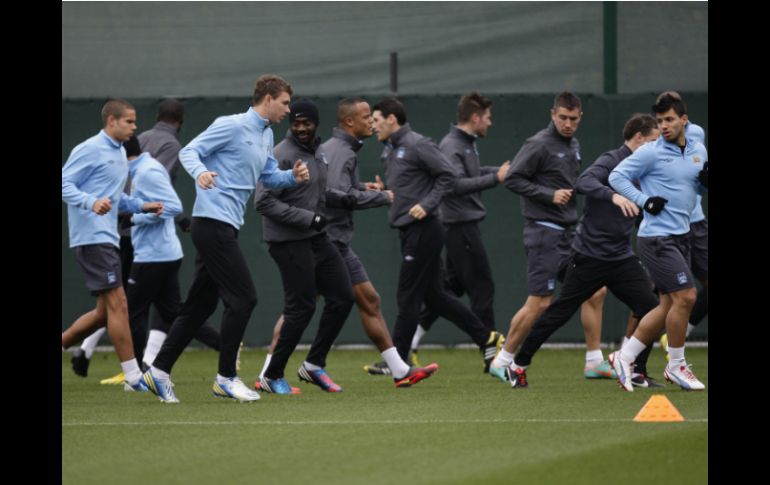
(458, 427)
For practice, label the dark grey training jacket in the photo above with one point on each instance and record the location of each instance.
(546, 162)
(288, 212)
(417, 173)
(340, 153)
(603, 232)
(464, 204)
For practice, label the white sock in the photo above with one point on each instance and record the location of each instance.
(397, 366)
(264, 367)
(89, 344)
(159, 374)
(632, 349)
(417, 337)
(677, 356)
(690, 328)
(310, 366)
(131, 371)
(503, 359)
(625, 340)
(594, 357)
(154, 343)
(222, 380)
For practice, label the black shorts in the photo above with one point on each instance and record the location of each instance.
(355, 268)
(667, 260)
(100, 265)
(548, 251)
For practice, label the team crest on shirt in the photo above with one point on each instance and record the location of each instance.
(560, 155)
(400, 152)
(696, 159)
(467, 151)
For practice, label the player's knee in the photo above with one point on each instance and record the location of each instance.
(685, 298)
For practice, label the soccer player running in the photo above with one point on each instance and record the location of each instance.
(226, 161)
(699, 243)
(544, 173)
(92, 184)
(671, 172)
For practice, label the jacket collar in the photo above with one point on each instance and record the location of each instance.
(462, 134)
(351, 140)
(261, 122)
(398, 136)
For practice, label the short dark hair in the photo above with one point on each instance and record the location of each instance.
(115, 108)
(170, 111)
(639, 123)
(391, 106)
(673, 94)
(567, 100)
(347, 107)
(470, 104)
(132, 147)
(272, 85)
(670, 100)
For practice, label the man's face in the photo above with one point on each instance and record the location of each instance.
(671, 125)
(362, 121)
(303, 129)
(124, 127)
(277, 108)
(566, 120)
(481, 123)
(383, 127)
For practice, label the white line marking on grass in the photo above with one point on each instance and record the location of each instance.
(360, 422)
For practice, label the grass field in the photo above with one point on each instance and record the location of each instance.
(459, 427)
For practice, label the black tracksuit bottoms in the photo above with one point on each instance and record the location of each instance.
(421, 281)
(220, 272)
(468, 271)
(626, 279)
(310, 267)
(157, 284)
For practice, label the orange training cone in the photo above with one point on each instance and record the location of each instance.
(658, 409)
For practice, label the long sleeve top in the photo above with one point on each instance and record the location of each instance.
(546, 162)
(340, 152)
(417, 173)
(154, 237)
(95, 169)
(240, 149)
(662, 170)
